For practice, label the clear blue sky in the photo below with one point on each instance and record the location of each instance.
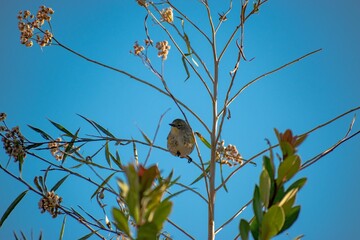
(50, 83)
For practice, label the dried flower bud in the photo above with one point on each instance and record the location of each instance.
(167, 15)
(50, 203)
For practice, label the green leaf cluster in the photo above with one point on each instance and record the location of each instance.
(273, 204)
(146, 210)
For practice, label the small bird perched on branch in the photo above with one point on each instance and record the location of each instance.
(180, 141)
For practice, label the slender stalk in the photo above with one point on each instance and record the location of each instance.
(180, 229)
(264, 75)
(132, 77)
(234, 216)
(212, 172)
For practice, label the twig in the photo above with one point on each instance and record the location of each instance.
(156, 132)
(332, 148)
(180, 51)
(192, 190)
(266, 74)
(191, 22)
(39, 193)
(276, 145)
(129, 75)
(234, 216)
(180, 229)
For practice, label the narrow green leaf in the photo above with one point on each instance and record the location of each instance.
(107, 153)
(257, 206)
(61, 128)
(42, 133)
(62, 229)
(244, 229)
(15, 236)
(102, 184)
(23, 235)
(97, 126)
(106, 132)
(201, 175)
(36, 181)
(265, 187)
(43, 185)
(58, 184)
(147, 139)
(222, 178)
(34, 145)
(273, 221)
(21, 162)
(12, 207)
(203, 140)
(70, 147)
(116, 160)
(121, 221)
(87, 236)
(91, 122)
(186, 68)
(175, 194)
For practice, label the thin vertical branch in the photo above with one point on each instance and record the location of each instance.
(212, 172)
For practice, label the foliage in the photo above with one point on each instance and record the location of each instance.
(273, 204)
(142, 206)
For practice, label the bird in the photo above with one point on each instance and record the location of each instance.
(181, 141)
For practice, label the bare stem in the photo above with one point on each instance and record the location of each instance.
(233, 217)
(180, 229)
(264, 75)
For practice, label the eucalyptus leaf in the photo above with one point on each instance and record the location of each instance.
(12, 207)
(58, 184)
(62, 229)
(42, 133)
(61, 128)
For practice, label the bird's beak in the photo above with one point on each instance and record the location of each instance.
(171, 124)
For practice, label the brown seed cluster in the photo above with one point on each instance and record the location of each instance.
(167, 15)
(163, 48)
(28, 23)
(2, 117)
(142, 3)
(55, 149)
(228, 155)
(50, 203)
(138, 48)
(58, 149)
(13, 143)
